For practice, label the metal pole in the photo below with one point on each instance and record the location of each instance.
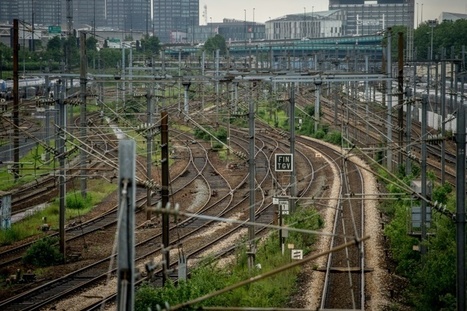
(460, 207)
(15, 166)
(149, 137)
(423, 171)
(62, 175)
(165, 191)
(252, 175)
(126, 225)
(389, 101)
(400, 95)
(443, 117)
(293, 178)
(317, 103)
(83, 80)
(123, 75)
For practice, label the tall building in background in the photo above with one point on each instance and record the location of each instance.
(43, 12)
(128, 15)
(173, 19)
(365, 17)
(88, 13)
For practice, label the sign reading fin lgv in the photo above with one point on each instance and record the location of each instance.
(284, 162)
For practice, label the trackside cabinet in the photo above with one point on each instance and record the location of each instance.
(5, 210)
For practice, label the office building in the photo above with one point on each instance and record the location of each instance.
(173, 19)
(43, 12)
(306, 25)
(364, 17)
(128, 15)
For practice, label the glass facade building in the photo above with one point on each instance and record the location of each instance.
(175, 17)
(43, 12)
(365, 17)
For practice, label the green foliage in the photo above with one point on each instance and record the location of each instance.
(150, 45)
(310, 110)
(319, 134)
(77, 202)
(216, 43)
(441, 193)
(445, 35)
(273, 292)
(91, 44)
(110, 58)
(307, 219)
(9, 236)
(200, 134)
(334, 137)
(43, 253)
(401, 243)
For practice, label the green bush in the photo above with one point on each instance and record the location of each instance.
(8, 236)
(334, 138)
(76, 201)
(320, 134)
(43, 253)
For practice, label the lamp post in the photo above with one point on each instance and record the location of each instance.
(253, 33)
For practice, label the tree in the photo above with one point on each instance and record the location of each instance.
(54, 48)
(91, 44)
(448, 35)
(216, 43)
(150, 45)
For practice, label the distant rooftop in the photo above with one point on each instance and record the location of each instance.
(447, 16)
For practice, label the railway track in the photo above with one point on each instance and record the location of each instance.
(220, 199)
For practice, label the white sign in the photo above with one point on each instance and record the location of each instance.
(284, 206)
(297, 254)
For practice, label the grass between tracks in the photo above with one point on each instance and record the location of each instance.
(76, 207)
(211, 276)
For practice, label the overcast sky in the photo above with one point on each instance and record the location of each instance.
(263, 9)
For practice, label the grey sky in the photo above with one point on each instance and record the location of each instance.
(263, 9)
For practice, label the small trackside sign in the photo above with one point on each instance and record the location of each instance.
(284, 162)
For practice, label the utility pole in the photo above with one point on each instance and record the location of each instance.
(165, 192)
(59, 89)
(69, 18)
(126, 225)
(400, 95)
(149, 137)
(389, 101)
(15, 100)
(252, 175)
(32, 25)
(443, 116)
(83, 80)
(293, 177)
(460, 206)
(423, 172)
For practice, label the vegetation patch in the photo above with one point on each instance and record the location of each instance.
(272, 292)
(43, 253)
(32, 224)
